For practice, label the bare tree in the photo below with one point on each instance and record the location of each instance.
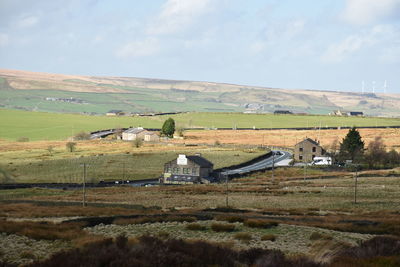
(70, 146)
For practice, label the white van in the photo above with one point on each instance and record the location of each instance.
(322, 161)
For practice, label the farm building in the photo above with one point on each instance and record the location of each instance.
(151, 137)
(307, 150)
(140, 133)
(282, 112)
(356, 113)
(187, 170)
(115, 113)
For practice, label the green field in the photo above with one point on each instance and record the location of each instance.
(132, 166)
(137, 100)
(54, 126)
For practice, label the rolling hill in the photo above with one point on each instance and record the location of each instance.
(96, 95)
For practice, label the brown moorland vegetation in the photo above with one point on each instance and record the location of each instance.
(288, 138)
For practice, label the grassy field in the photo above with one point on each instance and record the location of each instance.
(105, 161)
(53, 126)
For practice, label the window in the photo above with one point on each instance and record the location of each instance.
(168, 169)
(314, 149)
(300, 157)
(300, 149)
(186, 170)
(194, 171)
(175, 170)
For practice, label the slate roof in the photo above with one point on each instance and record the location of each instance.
(202, 162)
(311, 141)
(134, 130)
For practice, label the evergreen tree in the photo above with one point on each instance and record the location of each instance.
(168, 128)
(352, 147)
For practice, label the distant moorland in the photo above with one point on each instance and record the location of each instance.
(88, 94)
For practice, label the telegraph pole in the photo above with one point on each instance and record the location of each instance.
(273, 163)
(123, 171)
(84, 185)
(355, 187)
(227, 190)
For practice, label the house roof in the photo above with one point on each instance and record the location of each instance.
(311, 141)
(135, 130)
(202, 162)
(114, 111)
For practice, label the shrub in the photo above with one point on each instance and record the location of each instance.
(217, 143)
(137, 143)
(195, 227)
(152, 251)
(221, 227)
(253, 223)
(378, 251)
(163, 234)
(70, 146)
(244, 237)
(268, 237)
(23, 139)
(82, 136)
(50, 149)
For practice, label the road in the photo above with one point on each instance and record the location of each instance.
(277, 159)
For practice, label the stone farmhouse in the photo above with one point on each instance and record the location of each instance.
(307, 150)
(140, 133)
(187, 170)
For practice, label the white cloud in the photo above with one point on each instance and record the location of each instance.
(354, 43)
(363, 12)
(178, 15)
(143, 48)
(27, 21)
(3, 39)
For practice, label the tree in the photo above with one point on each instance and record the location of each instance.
(70, 146)
(352, 147)
(82, 136)
(137, 143)
(168, 128)
(376, 153)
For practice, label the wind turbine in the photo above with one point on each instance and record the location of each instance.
(362, 87)
(373, 87)
(384, 87)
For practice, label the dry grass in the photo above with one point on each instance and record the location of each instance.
(48, 231)
(222, 227)
(268, 237)
(32, 210)
(287, 138)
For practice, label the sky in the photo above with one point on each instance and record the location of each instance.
(296, 44)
